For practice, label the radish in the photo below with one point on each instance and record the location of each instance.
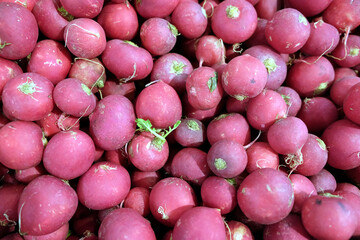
(267, 8)
(190, 164)
(138, 199)
(158, 36)
(12, 236)
(22, 145)
(324, 181)
(341, 72)
(112, 124)
(29, 4)
(155, 8)
(170, 198)
(190, 133)
(236, 106)
(118, 156)
(310, 8)
(189, 18)
(292, 100)
(261, 155)
(103, 186)
(57, 63)
(341, 87)
(144, 179)
(125, 223)
(127, 90)
(269, 184)
(83, 8)
(8, 70)
(210, 50)
(287, 31)
(303, 189)
(58, 234)
(201, 223)
(119, 21)
(347, 187)
(19, 31)
(257, 38)
(234, 21)
(238, 229)
(9, 196)
(39, 205)
(29, 174)
(347, 53)
(69, 154)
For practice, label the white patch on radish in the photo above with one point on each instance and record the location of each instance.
(163, 214)
(193, 91)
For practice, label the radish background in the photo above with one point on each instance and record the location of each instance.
(179, 119)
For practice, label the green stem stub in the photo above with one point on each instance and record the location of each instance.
(193, 125)
(212, 82)
(321, 88)
(65, 14)
(173, 30)
(4, 44)
(220, 164)
(354, 52)
(28, 87)
(131, 43)
(270, 65)
(232, 12)
(86, 89)
(177, 67)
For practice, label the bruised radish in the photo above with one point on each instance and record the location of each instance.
(28, 97)
(210, 50)
(51, 60)
(46, 204)
(190, 133)
(21, 145)
(244, 77)
(104, 185)
(18, 33)
(234, 21)
(112, 124)
(261, 155)
(8, 70)
(287, 31)
(155, 8)
(341, 87)
(85, 38)
(9, 197)
(201, 223)
(83, 8)
(126, 60)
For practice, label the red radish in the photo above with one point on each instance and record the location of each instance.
(347, 52)
(57, 121)
(348, 187)
(292, 99)
(173, 69)
(22, 145)
(118, 156)
(8, 70)
(125, 223)
(258, 37)
(103, 186)
(160, 104)
(324, 181)
(267, 8)
(341, 87)
(138, 199)
(201, 115)
(85, 38)
(74, 98)
(287, 31)
(231, 126)
(52, 18)
(303, 189)
(144, 179)
(328, 217)
(126, 60)
(197, 222)
(58, 234)
(275, 65)
(19, 31)
(91, 72)
(83, 8)
(290, 227)
(28, 97)
(112, 124)
(341, 139)
(210, 50)
(323, 39)
(29, 174)
(261, 155)
(170, 198)
(190, 164)
(288, 135)
(155, 8)
(354, 200)
(158, 36)
(69, 154)
(238, 230)
(269, 184)
(235, 106)
(311, 77)
(12, 236)
(310, 8)
(220, 193)
(209, 6)
(344, 72)
(29, 4)
(318, 113)
(51, 60)
(40, 202)
(234, 21)
(244, 77)
(119, 21)
(203, 89)
(190, 19)
(353, 175)
(312, 158)
(190, 133)
(265, 109)
(9, 196)
(125, 89)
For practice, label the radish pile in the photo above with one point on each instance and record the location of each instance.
(179, 119)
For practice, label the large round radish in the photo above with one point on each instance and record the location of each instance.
(270, 185)
(200, 223)
(8, 70)
(234, 21)
(83, 8)
(28, 97)
(287, 31)
(103, 186)
(244, 77)
(112, 123)
(69, 154)
(155, 8)
(21, 145)
(18, 33)
(46, 204)
(125, 223)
